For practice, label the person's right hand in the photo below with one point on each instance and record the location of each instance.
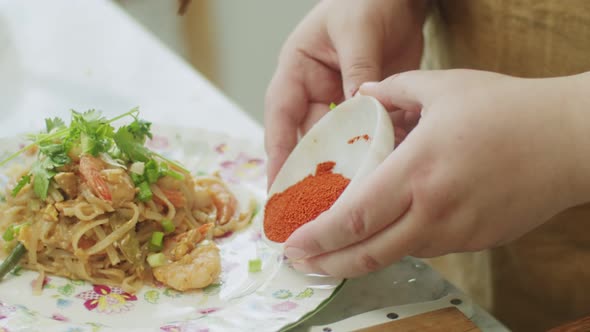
(338, 46)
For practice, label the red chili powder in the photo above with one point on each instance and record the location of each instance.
(356, 138)
(302, 202)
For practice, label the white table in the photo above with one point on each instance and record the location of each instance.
(59, 54)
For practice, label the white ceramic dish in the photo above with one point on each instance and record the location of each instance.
(339, 136)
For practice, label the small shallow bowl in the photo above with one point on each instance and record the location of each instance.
(339, 136)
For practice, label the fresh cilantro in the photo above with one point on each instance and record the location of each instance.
(42, 171)
(91, 130)
(91, 133)
(69, 136)
(51, 156)
(24, 180)
(141, 130)
(56, 153)
(55, 123)
(130, 146)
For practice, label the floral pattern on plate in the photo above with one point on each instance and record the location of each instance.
(268, 300)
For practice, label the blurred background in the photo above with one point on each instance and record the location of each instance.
(234, 43)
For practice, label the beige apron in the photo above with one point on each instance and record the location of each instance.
(542, 279)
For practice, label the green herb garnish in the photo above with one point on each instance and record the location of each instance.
(155, 260)
(156, 241)
(24, 180)
(168, 225)
(151, 172)
(91, 133)
(8, 234)
(254, 265)
(145, 193)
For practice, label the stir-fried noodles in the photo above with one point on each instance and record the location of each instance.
(98, 206)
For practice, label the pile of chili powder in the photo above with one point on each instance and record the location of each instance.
(302, 202)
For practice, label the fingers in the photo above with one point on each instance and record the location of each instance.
(378, 201)
(315, 113)
(409, 91)
(286, 101)
(360, 58)
(386, 247)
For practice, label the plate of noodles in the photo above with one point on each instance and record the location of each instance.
(115, 225)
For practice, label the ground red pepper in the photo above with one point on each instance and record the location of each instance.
(302, 202)
(356, 138)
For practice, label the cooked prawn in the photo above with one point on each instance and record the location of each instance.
(119, 184)
(175, 197)
(198, 269)
(225, 202)
(90, 168)
(190, 264)
(177, 246)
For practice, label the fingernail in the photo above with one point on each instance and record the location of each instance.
(307, 269)
(369, 85)
(294, 254)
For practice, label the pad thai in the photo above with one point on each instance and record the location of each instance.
(96, 204)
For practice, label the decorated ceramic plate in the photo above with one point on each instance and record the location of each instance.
(271, 300)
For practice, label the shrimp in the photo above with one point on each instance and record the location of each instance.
(119, 185)
(169, 187)
(175, 197)
(224, 201)
(191, 265)
(177, 246)
(198, 269)
(90, 168)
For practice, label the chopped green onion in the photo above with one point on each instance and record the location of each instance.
(156, 241)
(168, 225)
(164, 169)
(174, 163)
(8, 234)
(145, 193)
(155, 260)
(332, 106)
(136, 178)
(254, 265)
(152, 173)
(175, 175)
(12, 260)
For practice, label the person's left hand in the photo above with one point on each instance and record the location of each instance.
(491, 158)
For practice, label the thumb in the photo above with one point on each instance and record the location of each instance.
(360, 61)
(409, 91)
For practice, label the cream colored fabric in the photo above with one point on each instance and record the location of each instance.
(542, 279)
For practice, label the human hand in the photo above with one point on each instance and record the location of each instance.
(339, 45)
(491, 158)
